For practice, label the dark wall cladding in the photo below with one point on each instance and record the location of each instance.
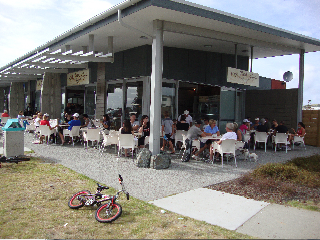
(134, 62)
(279, 104)
(93, 66)
(180, 64)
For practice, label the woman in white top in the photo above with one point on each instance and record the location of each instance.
(38, 119)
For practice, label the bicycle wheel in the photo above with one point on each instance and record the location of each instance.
(74, 202)
(108, 212)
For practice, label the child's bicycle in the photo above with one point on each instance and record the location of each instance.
(105, 213)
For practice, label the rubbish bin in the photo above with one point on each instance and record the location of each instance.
(13, 138)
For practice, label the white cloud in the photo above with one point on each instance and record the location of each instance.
(29, 4)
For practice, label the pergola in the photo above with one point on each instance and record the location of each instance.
(159, 23)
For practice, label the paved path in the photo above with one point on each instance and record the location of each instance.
(181, 189)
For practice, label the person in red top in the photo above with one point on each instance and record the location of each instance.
(45, 121)
(5, 114)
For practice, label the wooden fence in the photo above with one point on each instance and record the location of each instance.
(311, 119)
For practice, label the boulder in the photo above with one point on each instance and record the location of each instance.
(160, 161)
(143, 159)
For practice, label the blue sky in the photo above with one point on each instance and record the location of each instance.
(27, 24)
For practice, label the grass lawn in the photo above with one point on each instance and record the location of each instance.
(34, 204)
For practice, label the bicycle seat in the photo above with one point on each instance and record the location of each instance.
(102, 187)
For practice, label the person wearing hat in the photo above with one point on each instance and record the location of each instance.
(193, 133)
(245, 126)
(74, 122)
(256, 124)
(188, 117)
(46, 122)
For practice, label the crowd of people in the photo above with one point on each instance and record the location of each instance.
(200, 129)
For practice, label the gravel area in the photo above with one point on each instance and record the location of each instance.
(149, 184)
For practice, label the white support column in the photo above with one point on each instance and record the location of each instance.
(251, 58)
(156, 87)
(124, 101)
(300, 87)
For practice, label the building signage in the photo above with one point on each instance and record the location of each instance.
(39, 85)
(242, 77)
(78, 78)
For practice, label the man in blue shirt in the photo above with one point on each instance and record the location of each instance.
(74, 122)
(208, 131)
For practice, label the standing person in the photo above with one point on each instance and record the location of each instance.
(167, 128)
(193, 133)
(182, 124)
(126, 129)
(144, 129)
(134, 123)
(188, 117)
(106, 122)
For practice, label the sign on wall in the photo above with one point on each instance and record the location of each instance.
(39, 85)
(242, 77)
(78, 78)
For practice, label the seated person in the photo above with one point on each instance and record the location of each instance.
(126, 129)
(74, 122)
(238, 132)
(262, 127)
(301, 131)
(134, 123)
(144, 129)
(255, 124)
(5, 113)
(46, 122)
(245, 126)
(106, 122)
(208, 131)
(230, 134)
(38, 119)
(87, 121)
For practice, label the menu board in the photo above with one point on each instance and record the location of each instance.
(242, 77)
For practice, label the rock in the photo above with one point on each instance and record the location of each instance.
(143, 159)
(160, 161)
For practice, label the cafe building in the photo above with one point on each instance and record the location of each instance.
(151, 56)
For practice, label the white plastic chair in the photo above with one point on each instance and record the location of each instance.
(91, 135)
(280, 138)
(261, 137)
(246, 139)
(109, 140)
(178, 136)
(196, 144)
(298, 139)
(228, 146)
(126, 141)
(75, 132)
(30, 127)
(4, 120)
(45, 131)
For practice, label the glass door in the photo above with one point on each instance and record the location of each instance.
(227, 107)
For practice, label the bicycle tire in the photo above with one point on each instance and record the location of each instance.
(104, 215)
(74, 203)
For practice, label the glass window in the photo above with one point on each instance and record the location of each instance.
(168, 99)
(114, 104)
